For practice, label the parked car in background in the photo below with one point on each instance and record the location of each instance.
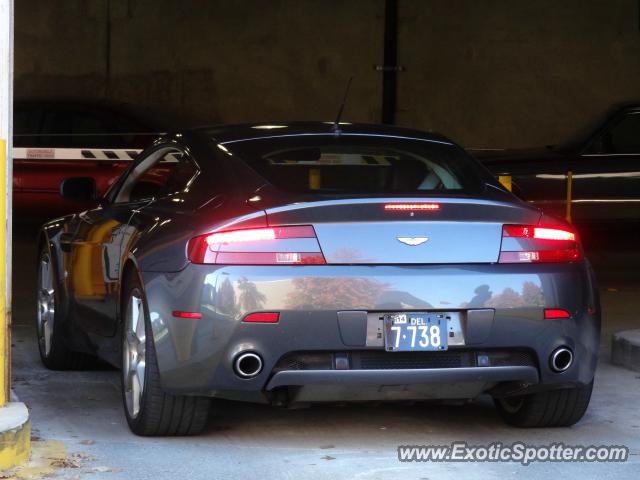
(605, 165)
(311, 262)
(54, 140)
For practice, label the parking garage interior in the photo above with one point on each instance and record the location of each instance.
(491, 75)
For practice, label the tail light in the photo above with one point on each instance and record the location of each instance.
(538, 244)
(293, 245)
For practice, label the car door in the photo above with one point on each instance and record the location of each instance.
(95, 239)
(93, 245)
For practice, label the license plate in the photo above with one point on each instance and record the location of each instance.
(410, 332)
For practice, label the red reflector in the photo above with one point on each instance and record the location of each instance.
(180, 314)
(263, 317)
(411, 206)
(551, 313)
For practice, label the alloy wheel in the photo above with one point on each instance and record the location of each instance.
(46, 304)
(134, 350)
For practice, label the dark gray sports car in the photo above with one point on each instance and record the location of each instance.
(316, 262)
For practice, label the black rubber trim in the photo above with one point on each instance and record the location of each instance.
(404, 376)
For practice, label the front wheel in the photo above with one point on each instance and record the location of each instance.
(554, 408)
(54, 352)
(149, 410)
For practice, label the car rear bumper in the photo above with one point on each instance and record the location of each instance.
(197, 356)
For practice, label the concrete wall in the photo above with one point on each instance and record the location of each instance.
(218, 61)
(516, 72)
(487, 73)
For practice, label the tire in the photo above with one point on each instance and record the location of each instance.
(148, 409)
(54, 353)
(554, 408)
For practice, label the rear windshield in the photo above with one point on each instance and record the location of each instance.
(360, 165)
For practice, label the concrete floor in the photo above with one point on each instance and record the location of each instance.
(81, 411)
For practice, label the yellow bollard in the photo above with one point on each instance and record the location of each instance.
(569, 194)
(314, 179)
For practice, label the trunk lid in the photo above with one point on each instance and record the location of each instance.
(362, 231)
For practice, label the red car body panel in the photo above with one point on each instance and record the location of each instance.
(36, 183)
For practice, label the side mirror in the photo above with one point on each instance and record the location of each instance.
(80, 189)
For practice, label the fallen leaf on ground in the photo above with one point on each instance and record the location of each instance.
(65, 463)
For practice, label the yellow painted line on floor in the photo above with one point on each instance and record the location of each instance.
(47, 458)
(15, 446)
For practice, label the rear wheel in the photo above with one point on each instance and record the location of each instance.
(554, 408)
(54, 353)
(149, 410)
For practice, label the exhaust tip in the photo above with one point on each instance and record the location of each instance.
(561, 359)
(247, 365)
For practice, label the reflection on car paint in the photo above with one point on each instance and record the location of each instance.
(237, 296)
